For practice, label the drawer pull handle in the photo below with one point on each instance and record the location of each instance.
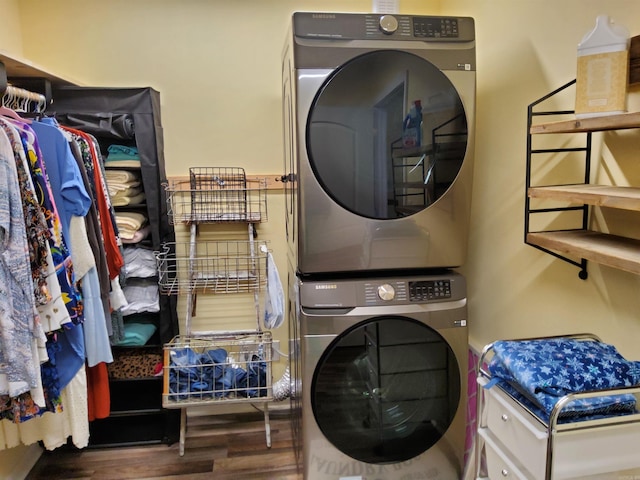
(505, 472)
(504, 417)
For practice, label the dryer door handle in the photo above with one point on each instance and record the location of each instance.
(325, 312)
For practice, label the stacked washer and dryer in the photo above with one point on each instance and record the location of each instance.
(377, 219)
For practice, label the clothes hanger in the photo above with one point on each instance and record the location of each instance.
(7, 112)
(18, 99)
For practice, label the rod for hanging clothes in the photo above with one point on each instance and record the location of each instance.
(22, 100)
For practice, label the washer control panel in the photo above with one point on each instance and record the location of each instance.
(429, 290)
(379, 292)
(386, 292)
(435, 27)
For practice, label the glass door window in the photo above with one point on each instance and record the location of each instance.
(386, 134)
(386, 391)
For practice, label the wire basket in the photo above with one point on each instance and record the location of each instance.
(228, 266)
(216, 194)
(219, 367)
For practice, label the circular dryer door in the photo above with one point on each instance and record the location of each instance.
(386, 134)
(386, 390)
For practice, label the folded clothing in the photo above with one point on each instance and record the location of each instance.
(134, 363)
(122, 152)
(139, 262)
(129, 223)
(136, 334)
(138, 236)
(142, 296)
(115, 187)
(122, 200)
(213, 374)
(122, 156)
(121, 176)
(125, 189)
(545, 370)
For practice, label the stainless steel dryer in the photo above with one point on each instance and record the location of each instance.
(382, 392)
(362, 195)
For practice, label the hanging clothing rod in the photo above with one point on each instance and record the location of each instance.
(23, 100)
(23, 97)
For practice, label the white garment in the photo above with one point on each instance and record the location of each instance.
(54, 428)
(141, 297)
(54, 314)
(139, 262)
(81, 253)
(116, 295)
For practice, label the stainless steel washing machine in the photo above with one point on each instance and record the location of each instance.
(368, 189)
(383, 378)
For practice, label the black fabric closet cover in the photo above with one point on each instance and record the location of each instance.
(124, 114)
(131, 115)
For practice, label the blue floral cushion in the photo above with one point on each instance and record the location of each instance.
(544, 371)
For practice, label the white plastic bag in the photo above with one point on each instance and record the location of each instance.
(274, 299)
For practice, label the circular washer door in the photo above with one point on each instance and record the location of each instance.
(368, 152)
(386, 390)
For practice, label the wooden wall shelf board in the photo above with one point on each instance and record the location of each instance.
(625, 198)
(605, 249)
(271, 182)
(23, 68)
(611, 250)
(607, 122)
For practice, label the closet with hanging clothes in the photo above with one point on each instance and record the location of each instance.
(96, 214)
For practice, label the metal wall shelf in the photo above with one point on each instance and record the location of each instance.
(580, 244)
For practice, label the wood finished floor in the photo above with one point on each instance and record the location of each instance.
(222, 447)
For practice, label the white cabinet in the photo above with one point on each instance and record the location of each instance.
(517, 444)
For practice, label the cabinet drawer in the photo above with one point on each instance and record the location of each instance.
(499, 465)
(577, 453)
(525, 438)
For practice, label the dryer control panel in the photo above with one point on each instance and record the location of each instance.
(360, 26)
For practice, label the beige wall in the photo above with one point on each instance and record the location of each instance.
(11, 31)
(217, 66)
(526, 49)
(17, 460)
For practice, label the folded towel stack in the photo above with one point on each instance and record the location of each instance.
(125, 187)
(136, 334)
(129, 223)
(122, 156)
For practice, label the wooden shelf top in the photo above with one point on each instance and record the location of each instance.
(608, 122)
(21, 67)
(605, 249)
(625, 198)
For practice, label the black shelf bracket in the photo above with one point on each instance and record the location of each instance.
(532, 112)
(3, 79)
